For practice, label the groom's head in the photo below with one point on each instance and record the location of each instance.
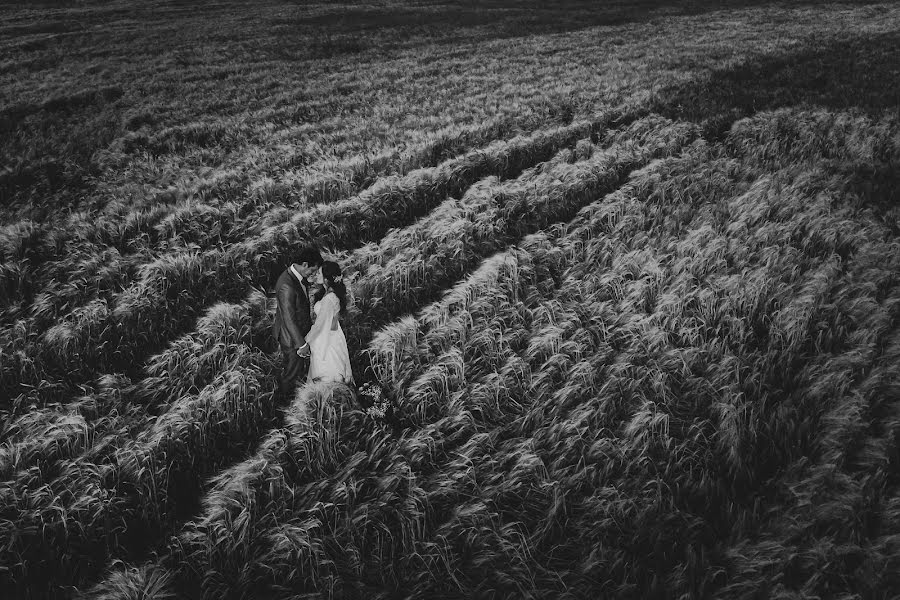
(308, 261)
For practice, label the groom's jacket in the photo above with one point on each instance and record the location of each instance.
(292, 316)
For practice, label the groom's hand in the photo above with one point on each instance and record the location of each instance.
(303, 351)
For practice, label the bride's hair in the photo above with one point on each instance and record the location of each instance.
(331, 272)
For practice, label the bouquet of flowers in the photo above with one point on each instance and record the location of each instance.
(378, 403)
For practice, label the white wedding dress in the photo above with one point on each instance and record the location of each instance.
(329, 358)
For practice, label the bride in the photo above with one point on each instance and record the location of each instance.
(329, 357)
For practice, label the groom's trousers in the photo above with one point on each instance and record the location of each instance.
(293, 370)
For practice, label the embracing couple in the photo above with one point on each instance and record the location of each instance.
(311, 298)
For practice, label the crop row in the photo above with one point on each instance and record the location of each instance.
(222, 210)
(191, 361)
(160, 217)
(659, 420)
(313, 449)
(185, 367)
(97, 257)
(88, 481)
(484, 295)
(672, 309)
(106, 335)
(153, 492)
(444, 372)
(490, 217)
(124, 492)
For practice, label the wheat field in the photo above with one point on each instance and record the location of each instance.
(629, 271)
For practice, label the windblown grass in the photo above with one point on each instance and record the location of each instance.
(636, 303)
(197, 428)
(107, 334)
(623, 403)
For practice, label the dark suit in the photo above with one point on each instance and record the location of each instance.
(292, 322)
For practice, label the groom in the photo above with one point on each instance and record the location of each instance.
(293, 318)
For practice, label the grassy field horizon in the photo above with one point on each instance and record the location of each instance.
(627, 269)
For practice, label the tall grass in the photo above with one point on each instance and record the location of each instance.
(192, 386)
(100, 505)
(112, 334)
(493, 216)
(222, 210)
(450, 422)
(602, 422)
(195, 432)
(631, 357)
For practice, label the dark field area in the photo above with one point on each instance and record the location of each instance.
(629, 272)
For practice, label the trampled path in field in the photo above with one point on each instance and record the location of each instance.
(644, 351)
